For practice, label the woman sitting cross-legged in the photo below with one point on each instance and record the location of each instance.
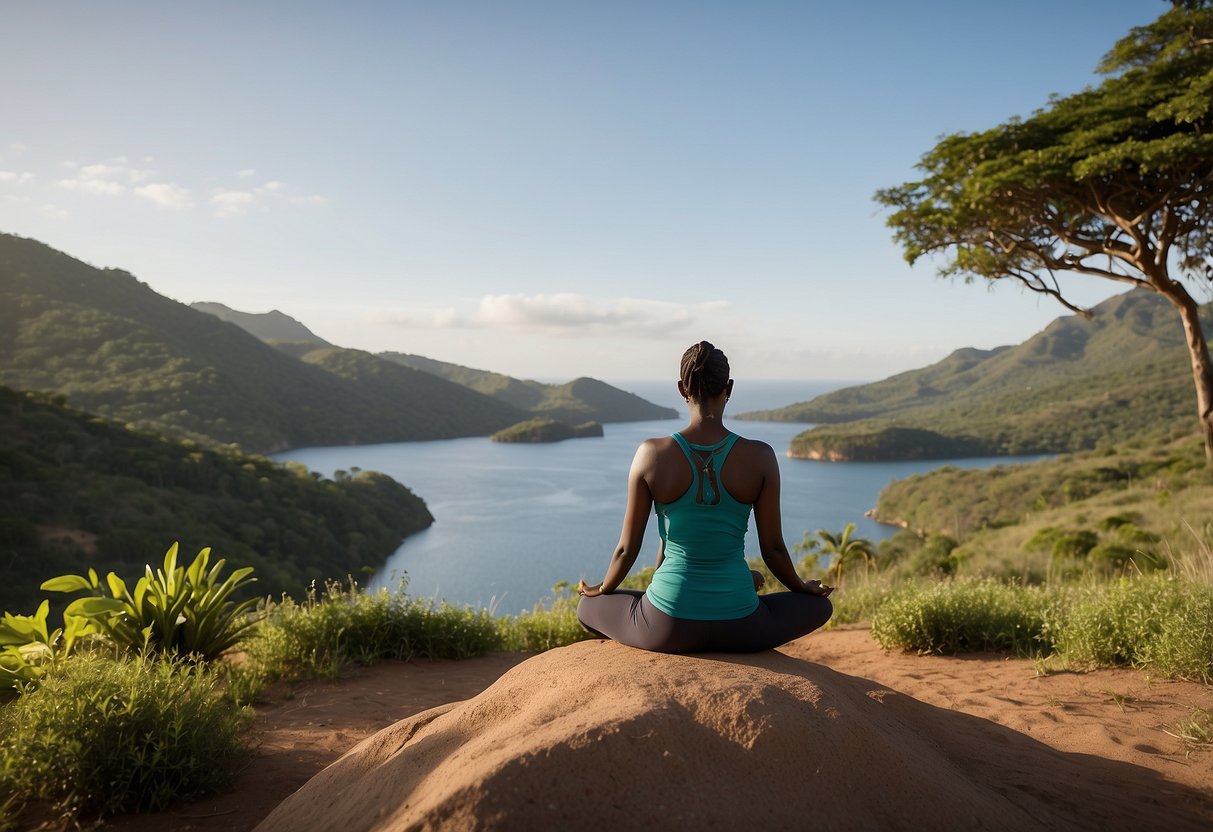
(703, 482)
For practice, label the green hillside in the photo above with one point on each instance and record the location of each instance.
(79, 491)
(1122, 375)
(580, 400)
(113, 346)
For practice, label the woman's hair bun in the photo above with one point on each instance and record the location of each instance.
(704, 371)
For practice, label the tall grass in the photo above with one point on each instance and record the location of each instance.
(104, 735)
(345, 624)
(1157, 622)
(967, 615)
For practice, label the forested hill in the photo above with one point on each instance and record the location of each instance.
(113, 346)
(1124, 374)
(578, 400)
(78, 491)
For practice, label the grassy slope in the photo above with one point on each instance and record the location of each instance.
(78, 491)
(115, 347)
(1123, 375)
(1160, 491)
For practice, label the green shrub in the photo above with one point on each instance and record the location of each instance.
(1073, 545)
(28, 647)
(347, 624)
(859, 601)
(186, 611)
(101, 736)
(960, 616)
(935, 557)
(1153, 621)
(547, 625)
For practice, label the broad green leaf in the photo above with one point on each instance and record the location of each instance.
(68, 583)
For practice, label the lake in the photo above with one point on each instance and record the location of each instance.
(511, 520)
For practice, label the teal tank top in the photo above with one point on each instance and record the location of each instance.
(703, 575)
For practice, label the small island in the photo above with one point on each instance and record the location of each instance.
(545, 429)
(863, 443)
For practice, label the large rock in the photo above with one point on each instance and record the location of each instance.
(601, 736)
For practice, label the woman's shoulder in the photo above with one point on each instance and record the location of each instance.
(754, 445)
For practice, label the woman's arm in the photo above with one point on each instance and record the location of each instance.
(635, 519)
(770, 530)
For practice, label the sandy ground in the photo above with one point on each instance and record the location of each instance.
(1119, 715)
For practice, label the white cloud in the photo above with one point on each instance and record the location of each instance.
(15, 177)
(246, 172)
(166, 195)
(573, 314)
(269, 187)
(560, 314)
(53, 211)
(311, 199)
(231, 203)
(104, 178)
(93, 186)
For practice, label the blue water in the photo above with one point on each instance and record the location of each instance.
(511, 520)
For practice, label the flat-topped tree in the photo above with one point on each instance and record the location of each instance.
(1115, 181)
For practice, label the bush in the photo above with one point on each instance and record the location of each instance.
(1154, 621)
(108, 735)
(347, 624)
(966, 615)
(546, 625)
(181, 610)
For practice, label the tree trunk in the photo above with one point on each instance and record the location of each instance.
(1198, 353)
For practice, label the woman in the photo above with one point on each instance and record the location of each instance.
(703, 481)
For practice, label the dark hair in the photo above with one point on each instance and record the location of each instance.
(704, 372)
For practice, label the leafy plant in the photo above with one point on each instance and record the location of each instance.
(28, 646)
(181, 610)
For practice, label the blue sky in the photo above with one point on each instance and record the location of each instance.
(546, 189)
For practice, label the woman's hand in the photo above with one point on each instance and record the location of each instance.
(588, 591)
(817, 588)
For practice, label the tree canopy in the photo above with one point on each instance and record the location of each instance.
(1114, 181)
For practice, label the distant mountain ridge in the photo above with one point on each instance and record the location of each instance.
(1122, 375)
(268, 326)
(580, 400)
(113, 346)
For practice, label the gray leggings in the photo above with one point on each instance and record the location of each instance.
(627, 616)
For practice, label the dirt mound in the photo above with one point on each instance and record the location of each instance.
(597, 735)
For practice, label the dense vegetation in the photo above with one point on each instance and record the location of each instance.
(1138, 506)
(113, 346)
(79, 491)
(543, 429)
(1119, 377)
(579, 400)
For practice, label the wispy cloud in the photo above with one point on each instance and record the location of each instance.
(104, 178)
(231, 203)
(119, 176)
(562, 314)
(166, 195)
